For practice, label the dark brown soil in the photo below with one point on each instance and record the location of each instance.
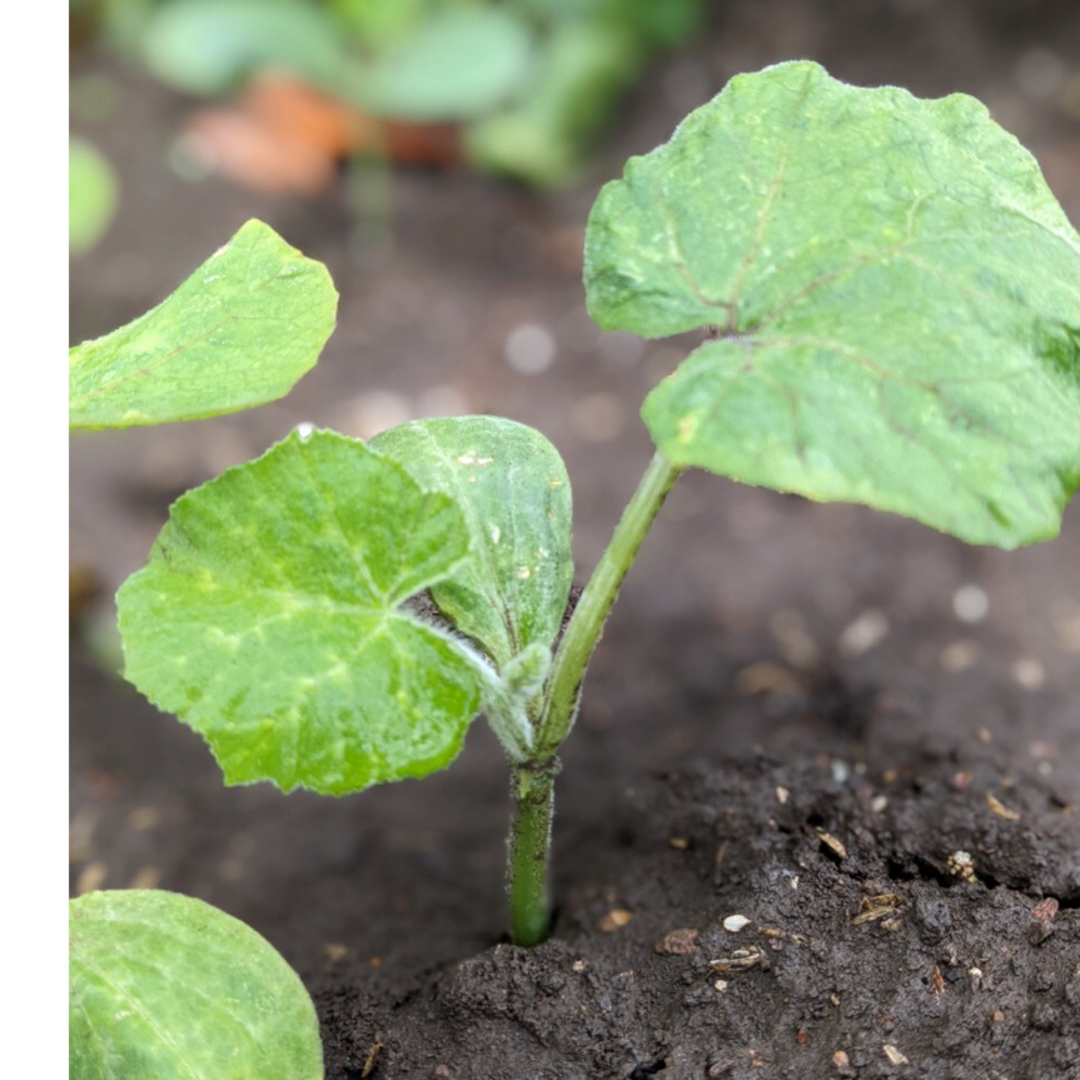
(788, 720)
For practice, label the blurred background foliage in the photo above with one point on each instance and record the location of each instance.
(521, 88)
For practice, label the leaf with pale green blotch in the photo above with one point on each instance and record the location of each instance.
(164, 987)
(238, 333)
(512, 488)
(895, 294)
(269, 619)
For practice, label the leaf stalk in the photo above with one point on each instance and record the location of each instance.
(563, 692)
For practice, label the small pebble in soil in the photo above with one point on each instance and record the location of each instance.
(677, 943)
(1042, 920)
(961, 780)
(578, 966)
(334, 952)
(615, 919)
(734, 923)
(867, 631)
(782, 795)
(1029, 673)
(529, 349)
(840, 1059)
(720, 985)
(894, 1055)
(970, 603)
(679, 843)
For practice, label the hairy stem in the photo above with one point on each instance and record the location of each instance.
(583, 632)
(533, 789)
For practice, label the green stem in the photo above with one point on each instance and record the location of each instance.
(530, 848)
(587, 623)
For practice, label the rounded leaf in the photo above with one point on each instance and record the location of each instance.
(164, 987)
(894, 293)
(269, 619)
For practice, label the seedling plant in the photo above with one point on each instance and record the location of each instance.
(889, 300)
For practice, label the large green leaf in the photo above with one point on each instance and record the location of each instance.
(895, 293)
(269, 619)
(513, 489)
(92, 194)
(164, 987)
(239, 332)
(207, 46)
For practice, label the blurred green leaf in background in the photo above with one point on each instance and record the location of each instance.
(93, 192)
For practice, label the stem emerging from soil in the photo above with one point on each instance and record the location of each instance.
(534, 782)
(583, 632)
(530, 849)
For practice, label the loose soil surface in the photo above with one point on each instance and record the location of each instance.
(858, 736)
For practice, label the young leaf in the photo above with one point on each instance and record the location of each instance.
(164, 987)
(896, 294)
(512, 488)
(269, 619)
(239, 332)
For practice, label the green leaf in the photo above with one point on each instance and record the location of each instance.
(512, 488)
(896, 295)
(546, 136)
(92, 195)
(458, 64)
(238, 333)
(269, 619)
(164, 987)
(207, 46)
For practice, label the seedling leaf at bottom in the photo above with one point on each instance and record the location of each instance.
(164, 987)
